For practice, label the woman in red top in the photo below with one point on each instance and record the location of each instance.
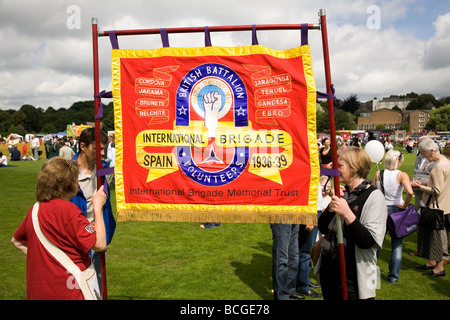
(65, 226)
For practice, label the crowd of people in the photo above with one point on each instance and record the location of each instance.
(354, 217)
(65, 147)
(53, 146)
(361, 212)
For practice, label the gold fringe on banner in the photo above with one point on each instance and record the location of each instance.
(217, 216)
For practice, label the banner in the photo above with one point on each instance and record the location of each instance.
(218, 134)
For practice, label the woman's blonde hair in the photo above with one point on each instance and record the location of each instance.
(358, 161)
(57, 178)
(392, 159)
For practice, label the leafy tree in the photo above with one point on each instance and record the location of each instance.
(48, 128)
(439, 119)
(32, 118)
(406, 126)
(322, 122)
(422, 102)
(351, 104)
(108, 117)
(344, 120)
(20, 130)
(12, 129)
(18, 117)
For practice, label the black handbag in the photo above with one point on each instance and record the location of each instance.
(432, 218)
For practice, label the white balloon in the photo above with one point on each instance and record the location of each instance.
(375, 150)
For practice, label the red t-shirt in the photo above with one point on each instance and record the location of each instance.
(65, 225)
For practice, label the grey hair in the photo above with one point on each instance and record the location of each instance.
(428, 145)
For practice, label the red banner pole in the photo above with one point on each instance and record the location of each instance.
(326, 58)
(97, 139)
(211, 29)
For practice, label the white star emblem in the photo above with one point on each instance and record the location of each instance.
(182, 110)
(241, 112)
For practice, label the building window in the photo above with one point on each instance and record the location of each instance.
(421, 119)
(422, 114)
(421, 125)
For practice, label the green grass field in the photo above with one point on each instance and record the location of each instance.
(180, 261)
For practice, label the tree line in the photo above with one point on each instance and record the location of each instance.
(29, 119)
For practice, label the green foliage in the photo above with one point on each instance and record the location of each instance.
(36, 120)
(48, 128)
(423, 101)
(351, 104)
(342, 120)
(406, 126)
(440, 119)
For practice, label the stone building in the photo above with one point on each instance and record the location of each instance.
(389, 103)
(417, 119)
(391, 119)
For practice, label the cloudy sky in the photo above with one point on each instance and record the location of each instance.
(377, 47)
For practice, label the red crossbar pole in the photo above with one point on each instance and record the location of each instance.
(326, 58)
(97, 139)
(211, 29)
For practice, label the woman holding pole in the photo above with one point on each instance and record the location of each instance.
(363, 212)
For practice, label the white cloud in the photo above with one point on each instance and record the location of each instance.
(437, 50)
(372, 63)
(43, 62)
(52, 88)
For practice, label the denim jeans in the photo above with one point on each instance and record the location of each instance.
(96, 261)
(306, 241)
(211, 225)
(395, 263)
(284, 259)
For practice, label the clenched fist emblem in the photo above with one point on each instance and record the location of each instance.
(212, 102)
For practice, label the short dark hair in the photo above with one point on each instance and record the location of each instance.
(87, 137)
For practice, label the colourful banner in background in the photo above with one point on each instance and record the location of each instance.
(221, 134)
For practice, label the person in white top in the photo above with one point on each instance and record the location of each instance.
(388, 145)
(3, 160)
(394, 181)
(35, 147)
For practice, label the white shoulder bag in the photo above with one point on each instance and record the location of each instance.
(87, 280)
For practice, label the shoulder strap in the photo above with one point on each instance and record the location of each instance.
(56, 252)
(357, 205)
(87, 280)
(432, 195)
(382, 180)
